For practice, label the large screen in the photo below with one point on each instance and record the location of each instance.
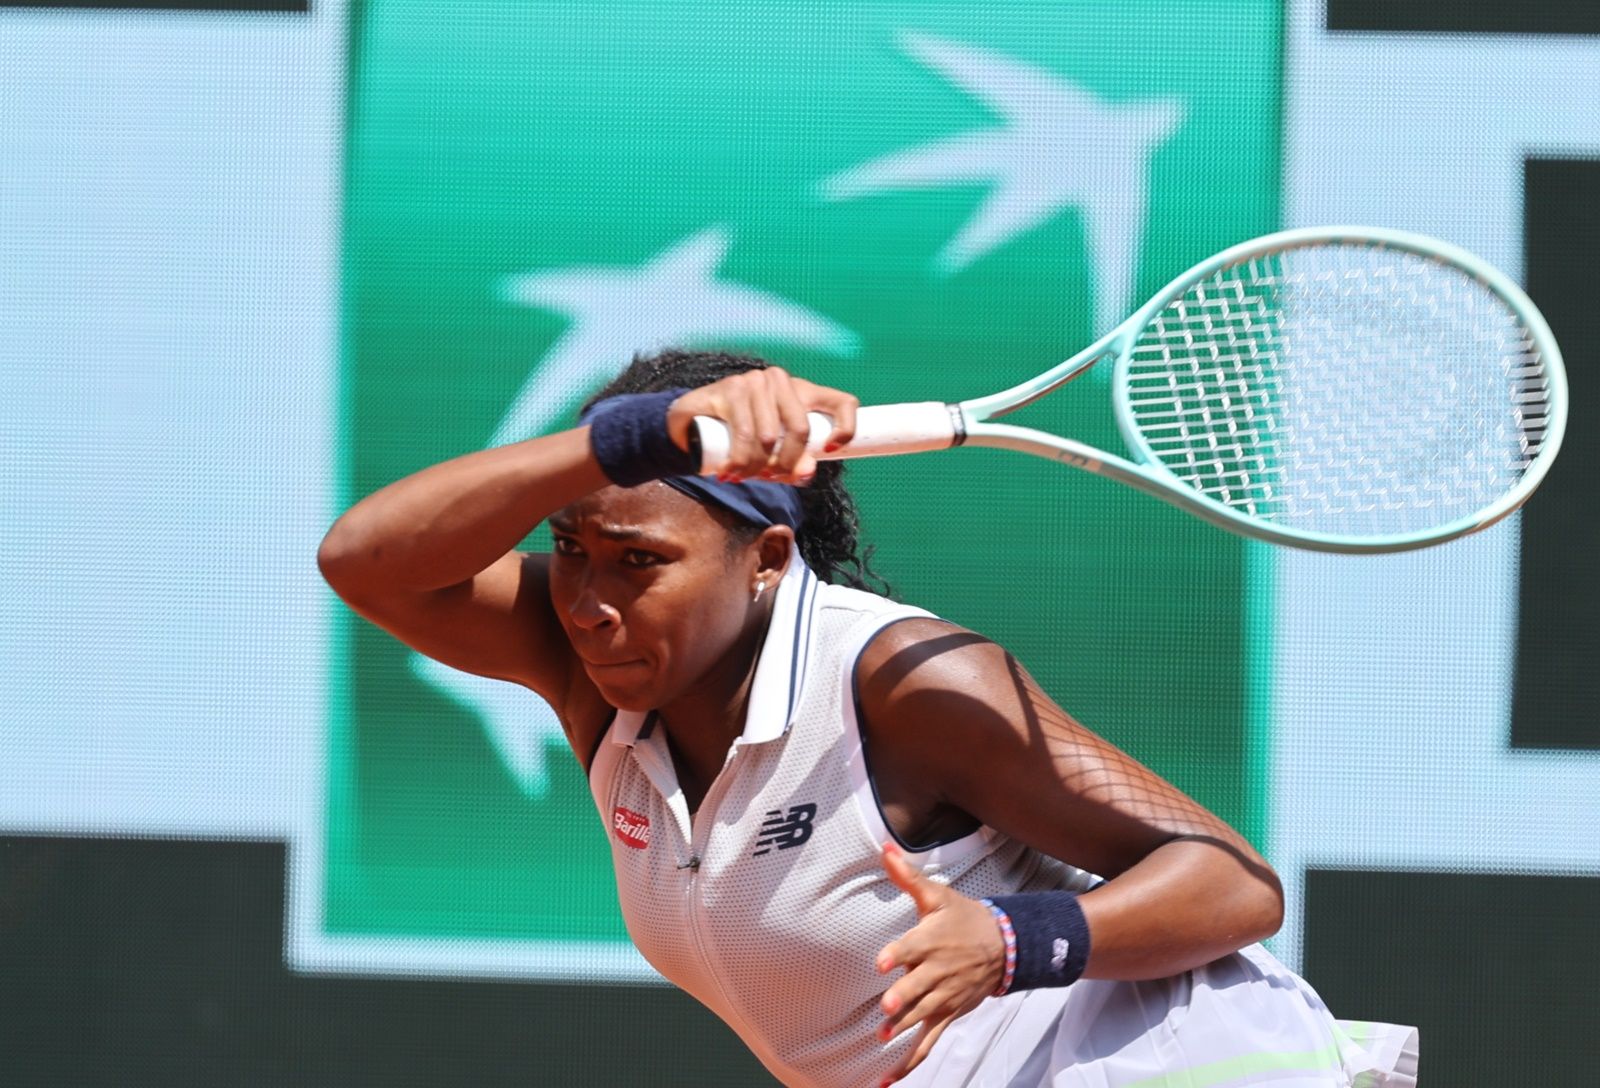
(261, 259)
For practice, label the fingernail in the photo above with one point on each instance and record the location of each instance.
(830, 447)
(804, 481)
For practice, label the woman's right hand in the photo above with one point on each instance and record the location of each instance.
(765, 411)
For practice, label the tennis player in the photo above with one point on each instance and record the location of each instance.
(861, 835)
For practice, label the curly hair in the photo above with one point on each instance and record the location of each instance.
(829, 539)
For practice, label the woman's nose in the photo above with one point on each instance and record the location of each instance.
(591, 613)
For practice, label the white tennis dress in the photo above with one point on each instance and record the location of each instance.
(771, 905)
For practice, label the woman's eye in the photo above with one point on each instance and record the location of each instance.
(640, 559)
(566, 546)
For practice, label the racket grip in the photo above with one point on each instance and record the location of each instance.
(882, 430)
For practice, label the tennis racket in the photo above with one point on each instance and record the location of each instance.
(1342, 389)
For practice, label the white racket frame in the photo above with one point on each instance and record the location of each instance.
(889, 429)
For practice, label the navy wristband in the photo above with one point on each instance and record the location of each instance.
(1052, 938)
(628, 435)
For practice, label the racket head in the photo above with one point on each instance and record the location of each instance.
(1344, 389)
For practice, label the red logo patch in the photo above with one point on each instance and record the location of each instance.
(631, 827)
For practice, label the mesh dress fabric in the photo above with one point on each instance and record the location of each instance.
(770, 906)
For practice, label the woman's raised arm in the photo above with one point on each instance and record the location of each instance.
(432, 558)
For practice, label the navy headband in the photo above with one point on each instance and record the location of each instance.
(632, 445)
(760, 502)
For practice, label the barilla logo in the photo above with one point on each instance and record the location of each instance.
(632, 828)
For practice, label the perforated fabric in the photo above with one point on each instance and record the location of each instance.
(777, 927)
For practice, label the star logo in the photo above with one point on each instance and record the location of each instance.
(1060, 146)
(674, 298)
(517, 722)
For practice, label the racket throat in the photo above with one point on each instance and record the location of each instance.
(1020, 396)
(958, 424)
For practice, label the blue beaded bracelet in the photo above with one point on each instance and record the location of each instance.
(1051, 935)
(1008, 934)
(628, 435)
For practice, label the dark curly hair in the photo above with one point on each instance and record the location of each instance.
(829, 540)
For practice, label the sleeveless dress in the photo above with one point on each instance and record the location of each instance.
(771, 904)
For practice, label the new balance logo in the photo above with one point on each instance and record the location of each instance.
(1058, 953)
(785, 829)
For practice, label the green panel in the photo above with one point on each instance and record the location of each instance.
(496, 140)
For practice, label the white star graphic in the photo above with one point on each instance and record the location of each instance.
(1061, 146)
(673, 299)
(519, 724)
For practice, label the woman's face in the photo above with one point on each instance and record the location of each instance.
(651, 591)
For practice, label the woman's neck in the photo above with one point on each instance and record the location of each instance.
(704, 721)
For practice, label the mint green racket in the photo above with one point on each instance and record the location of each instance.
(1342, 389)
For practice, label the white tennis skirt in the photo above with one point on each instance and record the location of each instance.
(1243, 1020)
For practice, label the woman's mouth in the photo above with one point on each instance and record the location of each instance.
(610, 666)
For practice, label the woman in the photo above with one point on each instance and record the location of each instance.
(810, 789)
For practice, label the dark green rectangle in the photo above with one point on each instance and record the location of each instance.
(286, 6)
(1557, 686)
(499, 164)
(1495, 970)
(1466, 16)
(140, 963)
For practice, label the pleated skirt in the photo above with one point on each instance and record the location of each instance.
(1245, 1020)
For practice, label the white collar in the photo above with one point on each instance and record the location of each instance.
(780, 670)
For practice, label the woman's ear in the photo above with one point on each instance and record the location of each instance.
(774, 547)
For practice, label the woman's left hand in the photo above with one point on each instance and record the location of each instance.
(954, 958)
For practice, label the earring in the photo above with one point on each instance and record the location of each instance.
(761, 587)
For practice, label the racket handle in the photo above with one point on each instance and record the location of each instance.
(881, 431)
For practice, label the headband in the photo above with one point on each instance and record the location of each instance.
(759, 502)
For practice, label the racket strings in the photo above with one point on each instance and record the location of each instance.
(1341, 388)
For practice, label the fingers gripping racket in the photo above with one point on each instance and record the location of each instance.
(1340, 389)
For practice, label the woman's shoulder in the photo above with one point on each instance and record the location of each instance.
(891, 649)
(875, 631)
(931, 700)
(919, 651)
(848, 621)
